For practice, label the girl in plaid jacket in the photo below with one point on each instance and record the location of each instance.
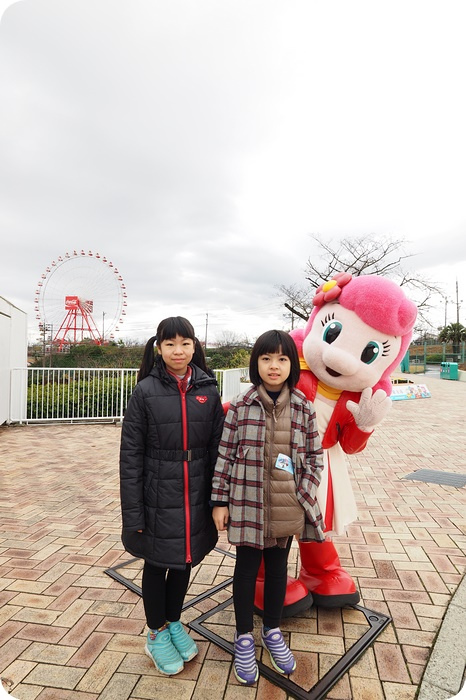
(264, 491)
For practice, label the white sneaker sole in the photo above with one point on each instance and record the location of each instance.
(193, 656)
(275, 665)
(242, 681)
(165, 673)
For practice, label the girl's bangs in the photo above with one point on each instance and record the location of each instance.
(173, 326)
(271, 348)
(271, 342)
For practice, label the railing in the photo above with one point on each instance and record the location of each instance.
(76, 395)
(56, 394)
(435, 353)
(232, 382)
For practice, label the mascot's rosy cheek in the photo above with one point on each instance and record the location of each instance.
(357, 334)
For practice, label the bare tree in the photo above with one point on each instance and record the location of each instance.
(298, 301)
(228, 339)
(246, 342)
(360, 255)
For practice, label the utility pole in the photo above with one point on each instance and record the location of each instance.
(44, 328)
(458, 301)
(457, 304)
(43, 344)
(51, 345)
(206, 324)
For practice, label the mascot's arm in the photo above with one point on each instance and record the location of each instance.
(351, 438)
(342, 426)
(371, 409)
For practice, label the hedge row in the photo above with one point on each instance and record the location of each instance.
(84, 398)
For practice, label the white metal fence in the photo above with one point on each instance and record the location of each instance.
(39, 395)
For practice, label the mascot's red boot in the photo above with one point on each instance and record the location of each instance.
(357, 334)
(322, 573)
(297, 598)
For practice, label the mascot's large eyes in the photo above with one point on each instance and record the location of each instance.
(371, 352)
(331, 331)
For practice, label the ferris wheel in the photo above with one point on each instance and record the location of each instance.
(80, 296)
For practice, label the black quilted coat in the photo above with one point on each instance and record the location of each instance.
(168, 452)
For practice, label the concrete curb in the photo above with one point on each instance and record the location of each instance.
(445, 671)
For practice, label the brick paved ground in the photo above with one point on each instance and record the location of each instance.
(70, 632)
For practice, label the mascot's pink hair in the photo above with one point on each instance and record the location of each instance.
(380, 304)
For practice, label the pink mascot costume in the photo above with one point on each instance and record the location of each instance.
(357, 334)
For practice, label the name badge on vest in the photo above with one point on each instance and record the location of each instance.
(284, 463)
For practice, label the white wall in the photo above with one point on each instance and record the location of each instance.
(13, 353)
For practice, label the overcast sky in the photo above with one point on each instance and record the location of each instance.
(198, 145)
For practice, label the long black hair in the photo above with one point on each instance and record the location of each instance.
(271, 342)
(199, 358)
(166, 330)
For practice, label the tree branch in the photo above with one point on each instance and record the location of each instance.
(295, 311)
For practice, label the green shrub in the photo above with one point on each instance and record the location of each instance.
(434, 358)
(62, 397)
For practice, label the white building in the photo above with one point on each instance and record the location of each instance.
(13, 354)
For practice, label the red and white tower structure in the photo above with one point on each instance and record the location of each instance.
(80, 297)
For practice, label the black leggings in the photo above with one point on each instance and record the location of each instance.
(163, 593)
(248, 560)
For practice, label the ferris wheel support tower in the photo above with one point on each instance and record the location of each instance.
(77, 324)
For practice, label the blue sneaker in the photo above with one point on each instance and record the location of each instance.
(281, 657)
(183, 643)
(165, 657)
(245, 665)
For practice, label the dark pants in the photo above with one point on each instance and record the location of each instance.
(163, 593)
(248, 560)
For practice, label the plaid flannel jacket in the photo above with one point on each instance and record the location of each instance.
(238, 474)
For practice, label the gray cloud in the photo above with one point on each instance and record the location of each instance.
(197, 145)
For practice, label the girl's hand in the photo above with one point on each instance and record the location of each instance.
(139, 530)
(220, 515)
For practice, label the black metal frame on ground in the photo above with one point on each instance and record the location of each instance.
(377, 623)
(113, 573)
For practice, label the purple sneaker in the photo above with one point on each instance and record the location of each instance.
(245, 665)
(281, 657)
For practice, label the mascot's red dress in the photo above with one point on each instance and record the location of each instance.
(358, 333)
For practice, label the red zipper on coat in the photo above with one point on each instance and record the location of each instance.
(184, 419)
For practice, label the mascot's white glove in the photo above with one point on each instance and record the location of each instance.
(371, 409)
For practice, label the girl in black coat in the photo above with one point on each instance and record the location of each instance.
(171, 430)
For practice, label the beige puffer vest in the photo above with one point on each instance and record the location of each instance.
(283, 515)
